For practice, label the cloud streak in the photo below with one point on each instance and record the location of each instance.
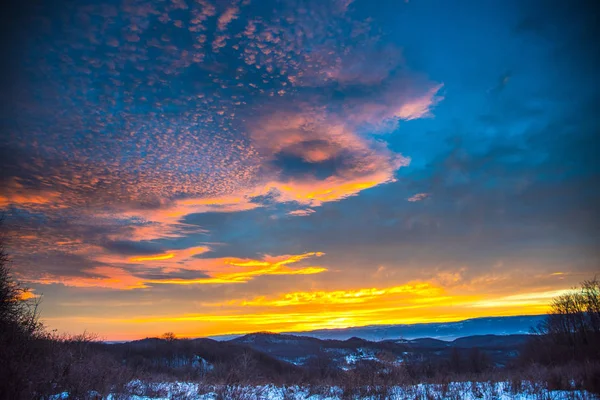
(119, 273)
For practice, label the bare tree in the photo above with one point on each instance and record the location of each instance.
(572, 329)
(19, 330)
(17, 311)
(169, 336)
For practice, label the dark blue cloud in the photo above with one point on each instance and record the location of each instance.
(132, 248)
(292, 163)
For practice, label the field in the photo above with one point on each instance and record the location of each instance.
(523, 390)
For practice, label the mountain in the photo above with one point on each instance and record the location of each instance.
(491, 341)
(274, 354)
(444, 331)
(304, 350)
(299, 350)
(515, 325)
(155, 354)
(500, 338)
(495, 340)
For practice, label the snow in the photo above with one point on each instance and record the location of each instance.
(297, 360)
(360, 354)
(457, 390)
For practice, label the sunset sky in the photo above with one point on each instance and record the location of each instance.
(210, 167)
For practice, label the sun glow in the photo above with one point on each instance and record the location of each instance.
(409, 303)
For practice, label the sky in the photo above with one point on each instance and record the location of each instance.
(211, 167)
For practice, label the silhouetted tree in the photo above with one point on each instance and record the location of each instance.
(571, 332)
(19, 329)
(169, 336)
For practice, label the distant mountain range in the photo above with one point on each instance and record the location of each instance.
(448, 331)
(497, 340)
(300, 350)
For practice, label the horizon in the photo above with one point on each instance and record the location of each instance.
(230, 336)
(215, 166)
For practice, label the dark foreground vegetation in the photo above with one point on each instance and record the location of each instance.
(562, 354)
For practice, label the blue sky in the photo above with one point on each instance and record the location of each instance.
(233, 166)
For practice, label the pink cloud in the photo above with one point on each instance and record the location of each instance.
(402, 99)
(419, 107)
(316, 137)
(166, 221)
(229, 15)
(301, 213)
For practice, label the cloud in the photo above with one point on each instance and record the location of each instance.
(228, 15)
(411, 302)
(233, 270)
(203, 167)
(183, 274)
(103, 277)
(418, 290)
(418, 107)
(28, 294)
(149, 146)
(127, 247)
(301, 213)
(539, 299)
(159, 257)
(16, 194)
(165, 259)
(400, 99)
(418, 197)
(315, 158)
(136, 118)
(179, 267)
(314, 192)
(166, 221)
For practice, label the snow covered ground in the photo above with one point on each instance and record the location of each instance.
(452, 391)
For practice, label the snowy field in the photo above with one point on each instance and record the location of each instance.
(454, 391)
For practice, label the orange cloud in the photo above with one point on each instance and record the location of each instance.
(240, 277)
(300, 311)
(244, 270)
(170, 258)
(17, 195)
(315, 192)
(160, 257)
(27, 294)
(218, 270)
(344, 296)
(413, 302)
